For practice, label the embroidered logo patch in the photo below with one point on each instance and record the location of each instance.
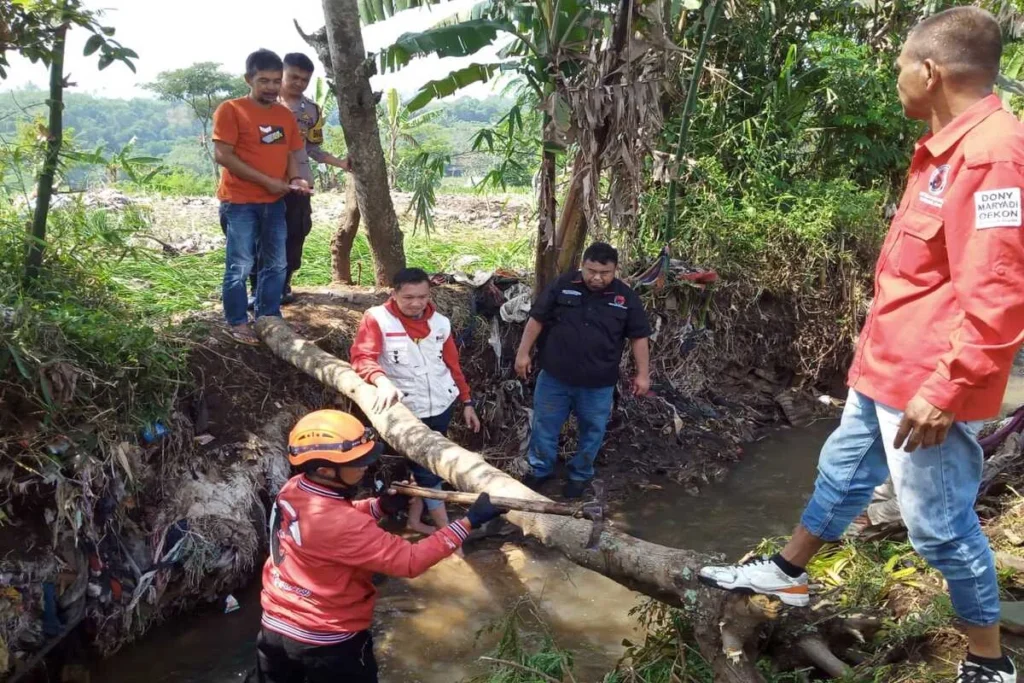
(618, 302)
(937, 183)
(997, 208)
(270, 135)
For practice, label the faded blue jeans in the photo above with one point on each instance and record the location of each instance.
(936, 488)
(254, 229)
(553, 400)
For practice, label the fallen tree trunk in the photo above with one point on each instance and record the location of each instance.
(726, 627)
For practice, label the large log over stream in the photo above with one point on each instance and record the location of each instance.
(726, 627)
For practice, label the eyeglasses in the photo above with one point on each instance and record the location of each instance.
(369, 436)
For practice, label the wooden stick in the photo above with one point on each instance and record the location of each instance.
(522, 505)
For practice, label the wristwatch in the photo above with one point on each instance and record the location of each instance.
(469, 404)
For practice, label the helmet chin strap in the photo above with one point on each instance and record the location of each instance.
(337, 483)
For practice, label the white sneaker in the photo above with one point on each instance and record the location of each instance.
(969, 672)
(761, 577)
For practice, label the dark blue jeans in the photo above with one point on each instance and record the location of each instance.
(253, 230)
(424, 477)
(552, 402)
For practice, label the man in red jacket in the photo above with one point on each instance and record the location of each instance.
(318, 592)
(937, 348)
(406, 349)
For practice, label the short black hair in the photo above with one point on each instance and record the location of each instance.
(601, 252)
(965, 40)
(262, 60)
(409, 276)
(299, 61)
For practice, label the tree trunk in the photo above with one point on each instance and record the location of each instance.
(726, 627)
(545, 266)
(44, 192)
(208, 148)
(357, 108)
(572, 223)
(341, 243)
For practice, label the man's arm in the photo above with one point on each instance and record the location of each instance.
(295, 182)
(318, 153)
(450, 355)
(377, 550)
(985, 250)
(225, 155)
(642, 357)
(366, 349)
(638, 330)
(524, 365)
(543, 309)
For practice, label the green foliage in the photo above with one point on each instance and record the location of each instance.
(428, 170)
(548, 42)
(71, 349)
(178, 182)
(30, 27)
(138, 170)
(514, 661)
(201, 87)
(515, 139)
(782, 242)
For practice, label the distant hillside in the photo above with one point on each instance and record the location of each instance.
(165, 130)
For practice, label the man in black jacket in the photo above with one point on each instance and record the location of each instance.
(584, 319)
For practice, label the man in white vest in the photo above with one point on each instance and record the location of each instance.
(405, 348)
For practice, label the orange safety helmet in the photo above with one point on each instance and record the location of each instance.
(331, 438)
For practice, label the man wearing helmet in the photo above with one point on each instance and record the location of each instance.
(405, 348)
(318, 593)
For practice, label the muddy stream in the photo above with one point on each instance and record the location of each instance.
(433, 629)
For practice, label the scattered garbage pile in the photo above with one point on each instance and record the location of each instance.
(131, 532)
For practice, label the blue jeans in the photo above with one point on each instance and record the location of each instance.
(254, 229)
(424, 477)
(552, 402)
(936, 488)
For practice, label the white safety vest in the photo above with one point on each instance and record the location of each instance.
(417, 368)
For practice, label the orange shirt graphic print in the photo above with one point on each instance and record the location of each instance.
(271, 135)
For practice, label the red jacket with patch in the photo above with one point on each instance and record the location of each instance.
(948, 311)
(327, 549)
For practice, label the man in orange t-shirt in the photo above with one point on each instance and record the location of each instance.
(258, 142)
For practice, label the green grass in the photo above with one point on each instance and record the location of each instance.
(462, 186)
(160, 285)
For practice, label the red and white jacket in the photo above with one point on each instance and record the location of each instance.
(418, 355)
(319, 591)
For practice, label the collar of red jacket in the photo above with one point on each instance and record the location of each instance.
(940, 143)
(393, 308)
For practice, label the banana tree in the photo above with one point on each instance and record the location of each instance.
(398, 125)
(544, 42)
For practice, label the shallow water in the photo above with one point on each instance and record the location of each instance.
(433, 629)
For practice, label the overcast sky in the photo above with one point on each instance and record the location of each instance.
(170, 34)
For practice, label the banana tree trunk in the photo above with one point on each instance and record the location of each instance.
(726, 627)
(357, 109)
(546, 258)
(345, 236)
(572, 223)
